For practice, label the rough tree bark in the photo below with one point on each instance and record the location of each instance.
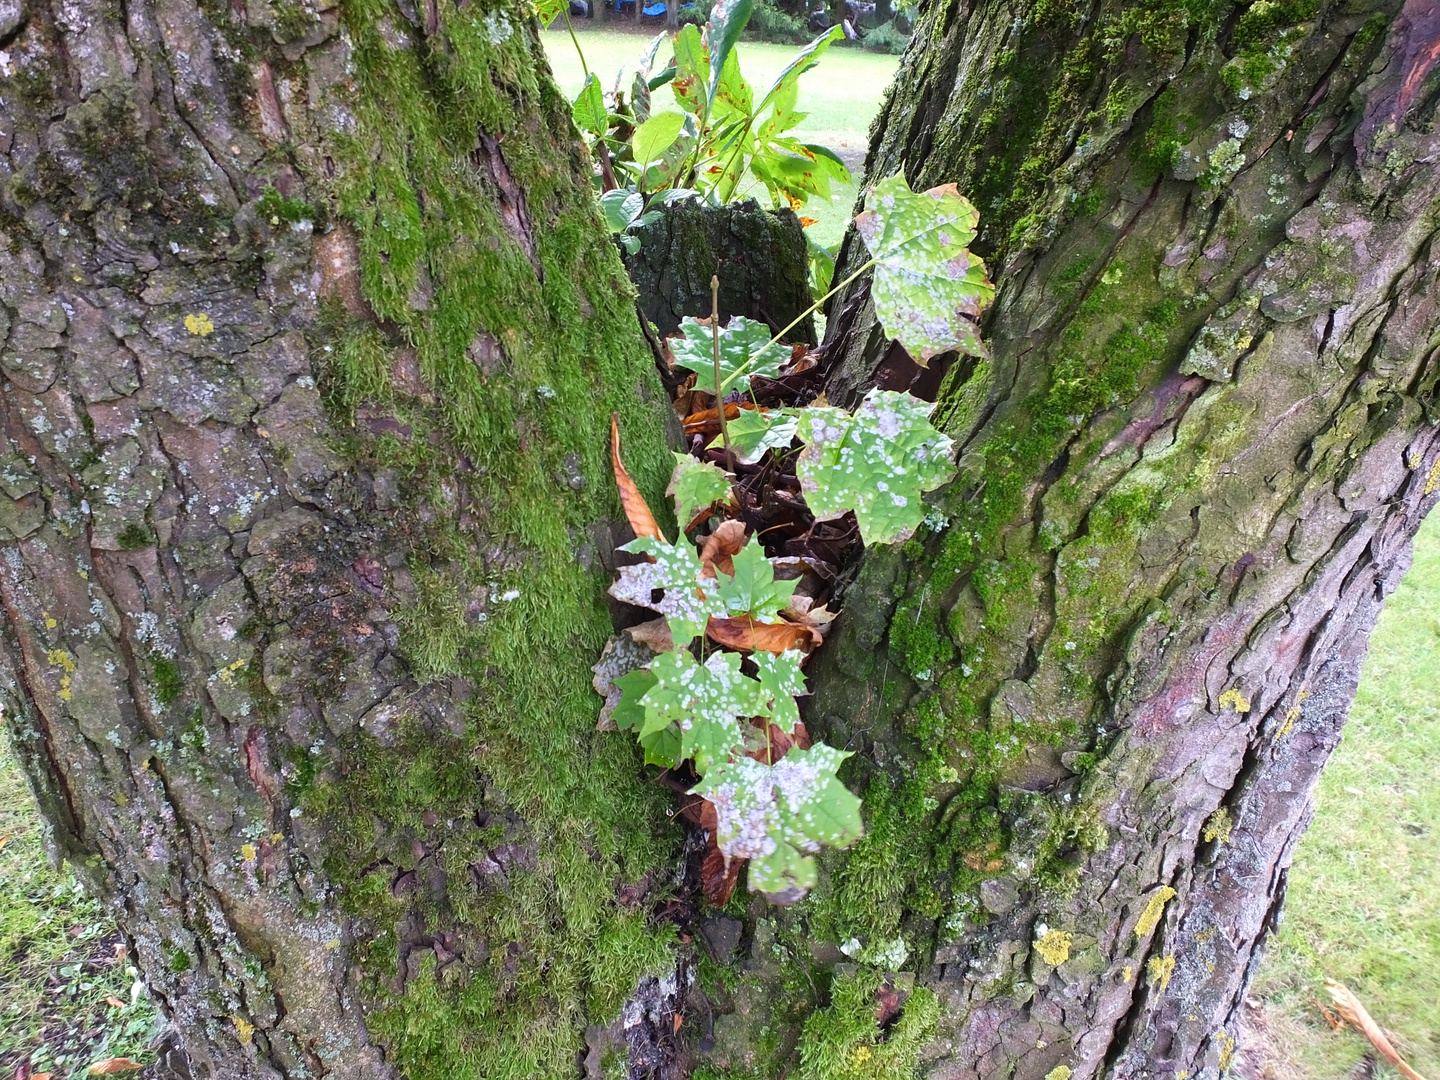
(312, 336)
(1190, 473)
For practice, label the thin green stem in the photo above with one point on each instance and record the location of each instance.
(791, 325)
(578, 51)
(719, 394)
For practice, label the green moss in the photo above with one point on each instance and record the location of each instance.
(844, 1039)
(279, 210)
(169, 683)
(135, 536)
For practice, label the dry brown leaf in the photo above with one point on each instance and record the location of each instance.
(41, 1076)
(720, 548)
(113, 1065)
(637, 510)
(655, 635)
(746, 635)
(1348, 1006)
(707, 421)
(114, 1002)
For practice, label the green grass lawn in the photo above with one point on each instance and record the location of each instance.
(68, 995)
(1364, 903)
(840, 96)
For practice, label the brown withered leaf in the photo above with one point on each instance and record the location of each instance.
(707, 421)
(654, 634)
(781, 742)
(1348, 1006)
(637, 510)
(719, 875)
(720, 548)
(888, 1002)
(113, 1065)
(746, 635)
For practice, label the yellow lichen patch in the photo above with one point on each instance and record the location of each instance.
(1054, 947)
(199, 324)
(1432, 482)
(1159, 969)
(1128, 973)
(1227, 1050)
(1060, 1072)
(247, 852)
(50, 622)
(1292, 715)
(227, 674)
(61, 659)
(1218, 826)
(1234, 699)
(243, 1029)
(1150, 917)
(861, 1055)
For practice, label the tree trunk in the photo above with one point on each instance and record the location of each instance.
(314, 335)
(1092, 701)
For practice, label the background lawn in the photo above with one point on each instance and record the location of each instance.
(841, 96)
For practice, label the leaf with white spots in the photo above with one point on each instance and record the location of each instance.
(740, 340)
(694, 485)
(753, 432)
(753, 590)
(705, 702)
(662, 746)
(779, 815)
(783, 682)
(685, 600)
(876, 462)
(928, 288)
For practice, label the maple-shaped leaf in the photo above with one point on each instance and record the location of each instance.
(741, 339)
(928, 288)
(779, 815)
(695, 485)
(783, 682)
(622, 655)
(685, 599)
(876, 462)
(752, 432)
(589, 110)
(752, 588)
(706, 702)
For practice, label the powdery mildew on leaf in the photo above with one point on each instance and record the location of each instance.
(876, 462)
(779, 815)
(783, 681)
(694, 485)
(753, 589)
(928, 288)
(739, 339)
(753, 432)
(686, 601)
(705, 702)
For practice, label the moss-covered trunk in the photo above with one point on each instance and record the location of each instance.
(1093, 699)
(312, 337)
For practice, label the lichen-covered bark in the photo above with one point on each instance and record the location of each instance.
(311, 339)
(1091, 702)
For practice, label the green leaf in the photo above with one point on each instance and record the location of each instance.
(928, 288)
(549, 10)
(798, 170)
(802, 62)
(694, 486)
(753, 589)
(686, 602)
(779, 815)
(629, 714)
(589, 109)
(655, 136)
(727, 21)
(753, 432)
(783, 681)
(692, 70)
(739, 339)
(621, 208)
(705, 702)
(876, 463)
(732, 93)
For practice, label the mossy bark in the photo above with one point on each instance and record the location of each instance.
(312, 338)
(1092, 702)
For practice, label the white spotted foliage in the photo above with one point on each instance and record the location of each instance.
(704, 702)
(745, 350)
(687, 600)
(876, 462)
(753, 432)
(694, 485)
(779, 815)
(928, 288)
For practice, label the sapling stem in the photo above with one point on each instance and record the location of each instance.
(578, 51)
(785, 330)
(719, 391)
